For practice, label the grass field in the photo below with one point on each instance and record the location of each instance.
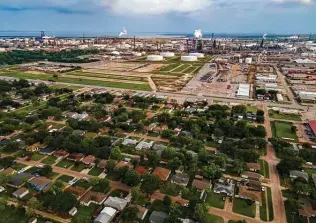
(210, 218)
(85, 213)
(264, 170)
(49, 160)
(251, 108)
(65, 163)
(282, 130)
(263, 210)
(276, 115)
(215, 200)
(109, 76)
(37, 156)
(270, 203)
(95, 171)
(80, 167)
(180, 69)
(20, 74)
(240, 206)
(65, 178)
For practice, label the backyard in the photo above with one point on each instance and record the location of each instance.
(244, 207)
(215, 200)
(50, 160)
(283, 130)
(37, 157)
(65, 163)
(95, 171)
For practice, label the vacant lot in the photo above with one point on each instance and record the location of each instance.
(49, 160)
(65, 163)
(95, 171)
(244, 207)
(277, 115)
(283, 130)
(37, 156)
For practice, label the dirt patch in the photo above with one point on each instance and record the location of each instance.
(34, 72)
(149, 68)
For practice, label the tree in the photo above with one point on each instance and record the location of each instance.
(200, 212)
(60, 201)
(4, 179)
(45, 170)
(212, 171)
(3, 203)
(116, 153)
(218, 132)
(110, 165)
(129, 214)
(131, 178)
(289, 163)
(239, 166)
(239, 109)
(175, 214)
(100, 185)
(260, 112)
(293, 128)
(150, 184)
(167, 200)
(32, 205)
(174, 164)
(135, 193)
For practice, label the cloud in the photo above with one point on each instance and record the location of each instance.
(142, 7)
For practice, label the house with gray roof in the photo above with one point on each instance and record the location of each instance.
(224, 186)
(106, 215)
(128, 142)
(144, 145)
(157, 217)
(116, 202)
(297, 173)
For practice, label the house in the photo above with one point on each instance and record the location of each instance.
(89, 160)
(73, 211)
(92, 197)
(9, 171)
(224, 186)
(76, 115)
(19, 179)
(129, 142)
(157, 217)
(106, 215)
(246, 193)
(296, 173)
(254, 167)
(181, 179)
(61, 153)
(47, 151)
(20, 193)
(160, 129)
(160, 147)
(144, 145)
(141, 170)
(180, 169)
(116, 202)
(151, 127)
(102, 164)
(76, 157)
(162, 173)
(201, 184)
(33, 148)
(307, 209)
(40, 183)
(122, 164)
(252, 176)
(142, 212)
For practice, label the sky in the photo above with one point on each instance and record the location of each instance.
(146, 16)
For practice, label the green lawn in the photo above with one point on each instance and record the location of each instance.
(90, 135)
(293, 217)
(22, 75)
(251, 108)
(241, 206)
(85, 212)
(78, 167)
(10, 215)
(210, 218)
(82, 183)
(65, 178)
(264, 170)
(95, 171)
(283, 130)
(270, 203)
(309, 171)
(37, 156)
(65, 163)
(263, 211)
(18, 166)
(50, 160)
(215, 200)
(141, 200)
(277, 115)
(211, 144)
(113, 175)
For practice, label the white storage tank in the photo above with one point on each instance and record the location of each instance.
(154, 58)
(143, 53)
(167, 54)
(198, 55)
(189, 58)
(137, 54)
(248, 60)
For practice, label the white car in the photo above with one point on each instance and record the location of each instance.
(73, 181)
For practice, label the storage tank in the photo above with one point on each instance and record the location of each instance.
(189, 58)
(154, 58)
(167, 54)
(248, 60)
(137, 54)
(198, 55)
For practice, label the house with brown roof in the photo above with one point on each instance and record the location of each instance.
(20, 193)
(61, 153)
(9, 171)
(33, 148)
(142, 212)
(89, 160)
(307, 209)
(77, 157)
(102, 164)
(201, 184)
(40, 183)
(254, 167)
(122, 164)
(162, 173)
(252, 176)
(92, 197)
(246, 193)
(141, 170)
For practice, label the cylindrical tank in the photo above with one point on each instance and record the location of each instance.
(198, 55)
(167, 54)
(154, 58)
(189, 58)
